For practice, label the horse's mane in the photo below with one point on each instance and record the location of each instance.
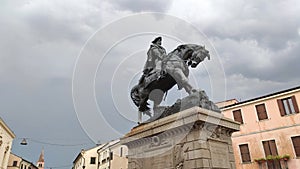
(178, 49)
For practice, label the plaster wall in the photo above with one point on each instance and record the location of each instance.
(276, 127)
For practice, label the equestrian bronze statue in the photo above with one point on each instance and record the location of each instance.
(173, 69)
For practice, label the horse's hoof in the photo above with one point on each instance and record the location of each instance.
(147, 112)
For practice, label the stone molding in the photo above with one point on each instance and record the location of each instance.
(185, 119)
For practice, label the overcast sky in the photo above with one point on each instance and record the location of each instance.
(256, 46)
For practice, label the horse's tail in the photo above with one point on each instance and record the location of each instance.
(134, 94)
(137, 100)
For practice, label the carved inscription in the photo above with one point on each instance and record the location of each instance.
(163, 161)
(219, 154)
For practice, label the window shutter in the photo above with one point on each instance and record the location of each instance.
(266, 148)
(280, 106)
(261, 112)
(295, 104)
(296, 143)
(273, 147)
(270, 147)
(237, 115)
(245, 154)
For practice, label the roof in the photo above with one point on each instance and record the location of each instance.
(262, 97)
(77, 157)
(22, 159)
(29, 163)
(109, 145)
(11, 153)
(41, 158)
(227, 101)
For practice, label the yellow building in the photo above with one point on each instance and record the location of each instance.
(6, 139)
(270, 129)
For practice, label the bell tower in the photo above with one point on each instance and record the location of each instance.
(41, 162)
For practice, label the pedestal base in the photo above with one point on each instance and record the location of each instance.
(193, 138)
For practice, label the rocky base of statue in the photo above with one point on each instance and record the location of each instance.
(197, 98)
(190, 139)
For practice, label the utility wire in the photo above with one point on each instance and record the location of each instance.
(56, 144)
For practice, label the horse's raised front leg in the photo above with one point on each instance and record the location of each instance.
(182, 80)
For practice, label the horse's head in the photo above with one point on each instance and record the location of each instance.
(192, 54)
(199, 53)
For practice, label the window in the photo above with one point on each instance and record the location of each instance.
(121, 151)
(261, 112)
(40, 165)
(103, 161)
(245, 154)
(237, 115)
(270, 149)
(93, 160)
(288, 106)
(15, 163)
(111, 155)
(296, 144)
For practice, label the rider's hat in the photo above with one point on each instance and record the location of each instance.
(157, 39)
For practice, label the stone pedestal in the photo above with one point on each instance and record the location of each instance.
(193, 138)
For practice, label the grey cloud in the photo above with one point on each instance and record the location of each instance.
(60, 21)
(252, 60)
(139, 6)
(243, 88)
(42, 39)
(271, 25)
(285, 64)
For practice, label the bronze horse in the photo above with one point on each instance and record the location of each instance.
(175, 68)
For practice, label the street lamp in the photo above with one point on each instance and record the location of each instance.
(23, 142)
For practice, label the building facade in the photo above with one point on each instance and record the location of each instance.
(6, 139)
(113, 155)
(86, 159)
(110, 155)
(16, 162)
(270, 129)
